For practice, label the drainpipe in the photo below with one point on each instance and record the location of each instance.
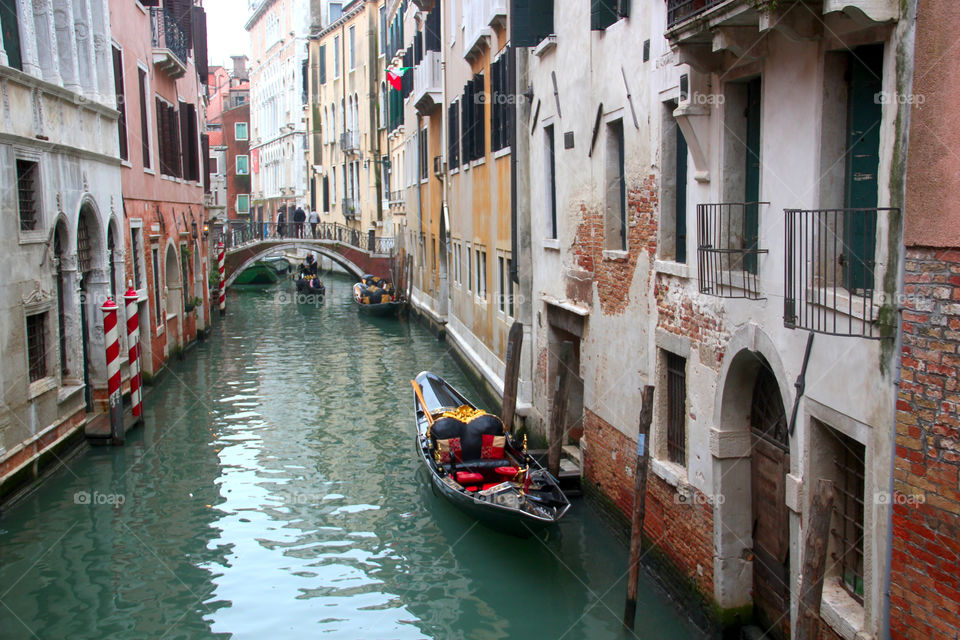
(374, 97)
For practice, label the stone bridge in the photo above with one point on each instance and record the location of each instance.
(354, 259)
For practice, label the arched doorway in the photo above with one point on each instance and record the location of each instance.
(174, 295)
(769, 466)
(88, 250)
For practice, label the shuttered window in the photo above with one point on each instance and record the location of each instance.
(453, 135)
(502, 103)
(168, 139)
(121, 101)
(530, 21)
(323, 64)
(144, 127)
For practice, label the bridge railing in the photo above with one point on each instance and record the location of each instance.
(238, 233)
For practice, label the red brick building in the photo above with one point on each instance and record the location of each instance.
(925, 572)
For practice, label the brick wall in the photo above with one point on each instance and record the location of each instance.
(682, 529)
(925, 583)
(613, 277)
(680, 315)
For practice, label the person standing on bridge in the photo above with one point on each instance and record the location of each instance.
(299, 217)
(281, 220)
(314, 221)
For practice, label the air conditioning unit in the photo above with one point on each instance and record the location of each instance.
(438, 166)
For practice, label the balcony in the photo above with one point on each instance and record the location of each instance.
(830, 271)
(350, 142)
(350, 208)
(727, 249)
(428, 83)
(476, 27)
(169, 43)
(497, 13)
(715, 34)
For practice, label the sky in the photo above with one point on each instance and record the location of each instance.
(225, 33)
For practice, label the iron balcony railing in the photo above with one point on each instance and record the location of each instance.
(167, 34)
(680, 10)
(728, 250)
(396, 196)
(830, 271)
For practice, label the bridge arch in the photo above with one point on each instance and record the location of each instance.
(314, 246)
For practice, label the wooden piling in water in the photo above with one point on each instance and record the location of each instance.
(814, 561)
(511, 377)
(639, 506)
(561, 400)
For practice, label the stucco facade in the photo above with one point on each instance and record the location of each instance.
(279, 31)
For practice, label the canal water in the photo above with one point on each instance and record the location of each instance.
(274, 492)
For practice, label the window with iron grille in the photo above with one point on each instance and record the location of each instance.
(676, 408)
(847, 525)
(37, 345)
(28, 178)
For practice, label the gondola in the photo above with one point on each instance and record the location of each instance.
(310, 284)
(376, 296)
(479, 468)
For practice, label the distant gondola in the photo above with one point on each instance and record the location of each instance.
(310, 284)
(478, 467)
(376, 296)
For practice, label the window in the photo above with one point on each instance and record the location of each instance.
(549, 144)
(615, 220)
(673, 197)
(240, 131)
(453, 135)
(336, 10)
(243, 203)
(469, 269)
(169, 137)
(383, 30)
(323, 64)
(144, 119)
(11, 34)
(604, 13)
(353, 48)
(502, 278)
(510, 300)
(37, 345)
(121, 101)
(213, 164)
(189, 141)
(531, 22)
(243, 165)
(847, 525)
(158, 310)
(501, 101)
(481, 273)
(336, 53)
(473, 123)
(676, 369)
(424, 155)
(28, 190)
(136, 248)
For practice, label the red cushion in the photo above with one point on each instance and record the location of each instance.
(506, 471)
(492, 446)
(469, 477)
(487, 485)
(473, 487)
(447, 447)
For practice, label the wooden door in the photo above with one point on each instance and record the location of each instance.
(770, 463)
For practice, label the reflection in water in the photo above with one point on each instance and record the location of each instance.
(275, 492)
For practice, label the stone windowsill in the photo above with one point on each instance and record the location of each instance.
(678, 269)
(616, 255)
(841, 612)
(33, 237)
(670, 472)
(41, 386)
(551, 243)
(547, 44)
(67, 391)
(501, 153)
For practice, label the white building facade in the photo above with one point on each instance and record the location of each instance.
(62, 244)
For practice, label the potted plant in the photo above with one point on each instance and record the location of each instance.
(192, 304)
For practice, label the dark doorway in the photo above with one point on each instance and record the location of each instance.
(573, 430)
(85, 263)
(770, 463)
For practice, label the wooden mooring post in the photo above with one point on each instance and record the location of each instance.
(814, 561)
(511, 377)
(639, 506)
(561, 400)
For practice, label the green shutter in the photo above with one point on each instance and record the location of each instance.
(863, 163)
(323, 64)
(603, 13)
(751, 220)
(11, 34)
(530, 21)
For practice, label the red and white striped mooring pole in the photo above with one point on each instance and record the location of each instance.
(133, 340)
(221, 257)
(112, 335)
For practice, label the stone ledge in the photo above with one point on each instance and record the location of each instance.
(729, 444)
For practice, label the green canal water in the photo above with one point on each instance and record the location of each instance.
(274, 492)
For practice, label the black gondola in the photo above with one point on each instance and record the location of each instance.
(376, 296)
(310, 284)
(478, 467)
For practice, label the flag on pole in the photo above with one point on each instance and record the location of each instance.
(394, 76)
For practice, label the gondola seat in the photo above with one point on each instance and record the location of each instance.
(469, 477)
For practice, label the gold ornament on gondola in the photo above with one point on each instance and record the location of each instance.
(524, 444)
(437, 456)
